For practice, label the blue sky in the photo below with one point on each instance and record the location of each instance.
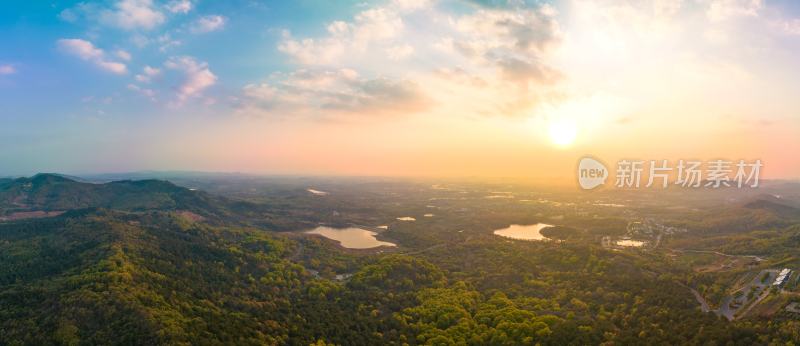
(443, 87)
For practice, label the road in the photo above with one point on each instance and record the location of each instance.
(699, 297)
(732, 313)
(757, 258)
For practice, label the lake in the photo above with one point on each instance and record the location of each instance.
(317, 192)
(524, 232)
(351, 237)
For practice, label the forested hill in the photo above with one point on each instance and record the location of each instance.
(88, 277)
(99, 276)
(53, 193)
(141, 268)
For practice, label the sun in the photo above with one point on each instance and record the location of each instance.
(562, 132)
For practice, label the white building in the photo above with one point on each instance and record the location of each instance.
(783, 276)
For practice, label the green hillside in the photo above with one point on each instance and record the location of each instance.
(54, 192)
(131, 267)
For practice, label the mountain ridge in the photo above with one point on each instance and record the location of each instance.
(48, 194)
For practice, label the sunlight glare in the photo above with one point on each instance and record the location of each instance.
(562, 132)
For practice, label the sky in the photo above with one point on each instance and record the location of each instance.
(396, 88)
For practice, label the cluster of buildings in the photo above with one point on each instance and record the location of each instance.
(649, 226)
(783, 276)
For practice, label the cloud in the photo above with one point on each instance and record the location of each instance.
(122, 54)
(208, 24)
(790, 26)
(667, 8)
(7, 70)
(311, 52)
(375, 24)
(330, 93)
(81, 10)
(132, 14)
(167, 42)
(522, 31)
(149, 93)
(514, 41)
(88, 52)
(410, 5)
(399, 52)
(460, 76)
(494, 3)
(147, 75)
(81, 48)
(523, 71)
(504, 54)
(490, 61)
(483, 93)
(197, 76)
(68, 15)
(378, 24)
(179, 6)
(115, 67)
(719, 10)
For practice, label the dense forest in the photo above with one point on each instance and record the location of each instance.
(153, 274)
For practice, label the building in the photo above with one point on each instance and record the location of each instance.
(783, 276)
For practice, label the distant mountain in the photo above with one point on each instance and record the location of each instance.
(49, 192)
(162, 175)
(772, 204)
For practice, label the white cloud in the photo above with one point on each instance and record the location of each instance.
(133, 14)
(115, 67)
(374, 25)
(719, 10)
(400, 52)
(197, 76)
(122, 54)
(208, 24)
(516, 42)
(179, 6)
(791, 26)
(488, 61)
(140, 40)
(310, 51)
(147, 75)
(149, 93)
(667, 8)
(81, 10)
(87, 51)
(335, 92)
(81, 48)
(68, 15)
(124, 14)
(167, 42)
(410, 5)
(525, 71)
(7, 69)
(518, 31)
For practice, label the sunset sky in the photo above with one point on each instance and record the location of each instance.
(400, 88)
